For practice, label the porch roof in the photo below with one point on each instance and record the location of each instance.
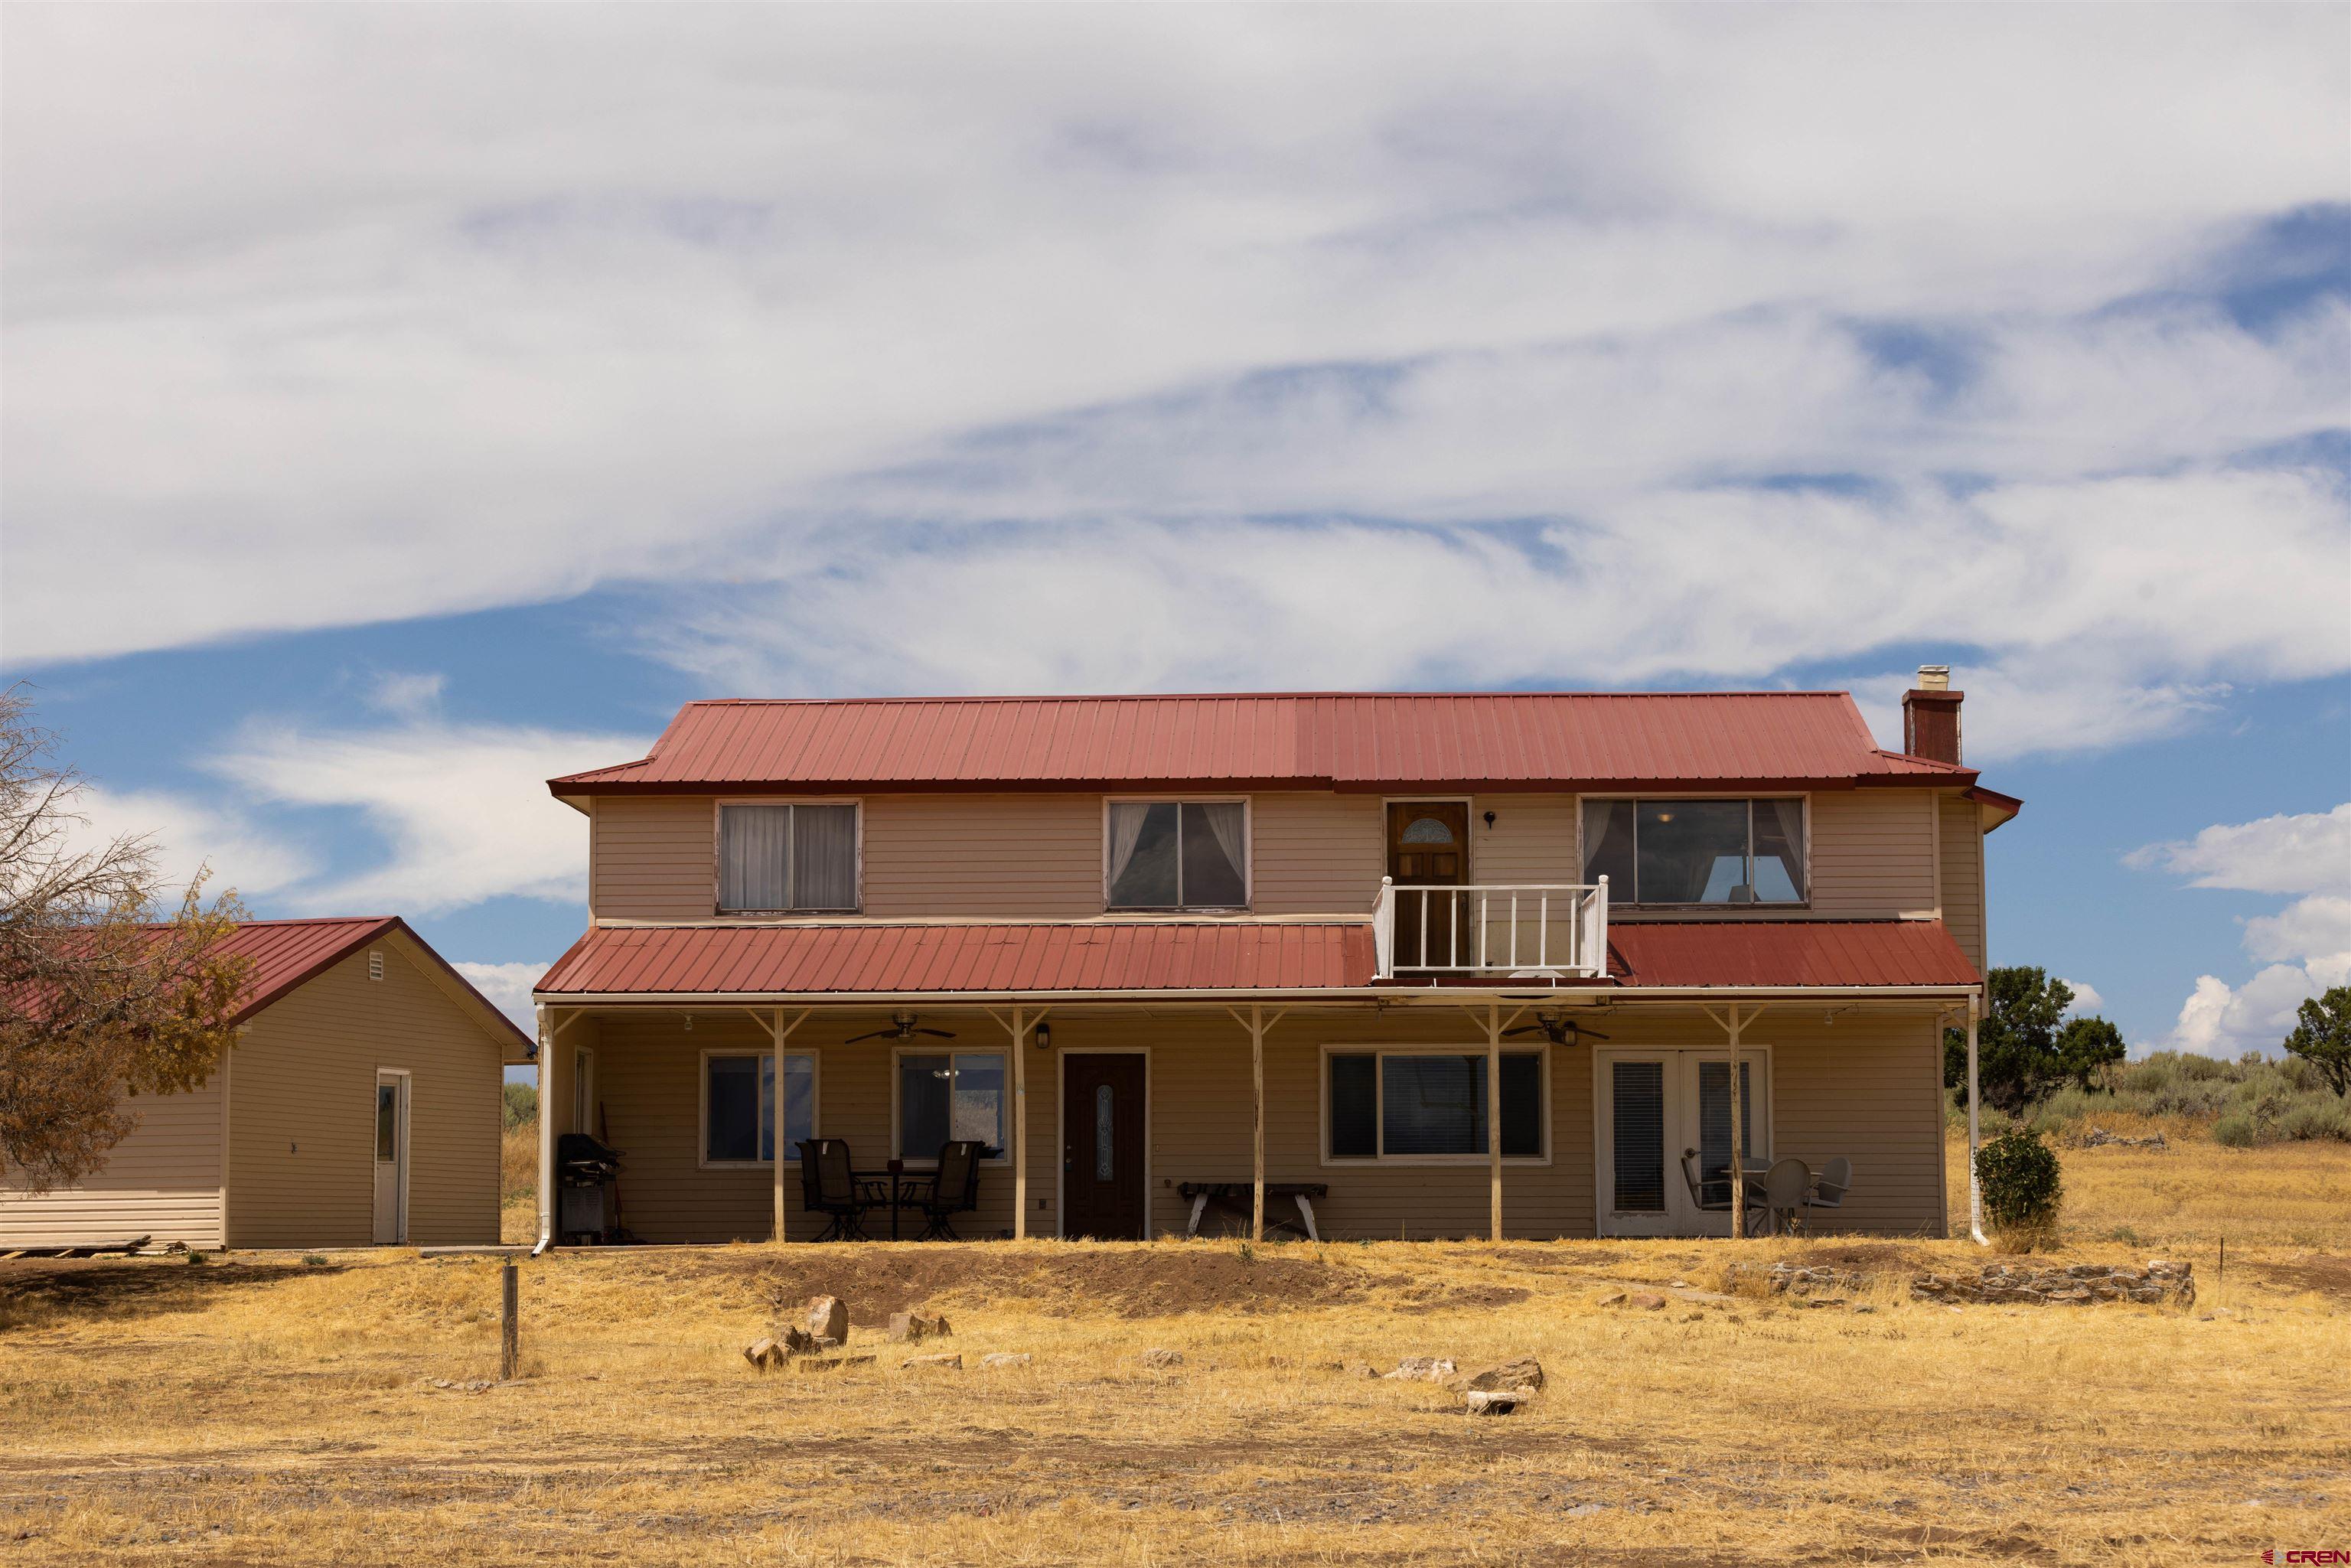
(885, 959)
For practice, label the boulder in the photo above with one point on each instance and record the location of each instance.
(1005, 1358)
(809, 1363)
(946, 1358)
(1424, 1369)
(907, 1328)
(765, 1354)
(1526, 1374)
(1162, 1358)
(1645, 1301)
(1494, 1401)
(827, 1319)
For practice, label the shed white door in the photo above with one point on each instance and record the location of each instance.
(1664, 1125)
(391, 1157)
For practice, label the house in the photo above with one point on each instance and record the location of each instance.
(359, 1103)
(1141, 944)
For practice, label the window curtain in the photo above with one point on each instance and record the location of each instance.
(1126, 819)
(754, 857)
(1225, 822)
(1779, 875)
(1212, 856)
(1432, 1105)
(824, 857)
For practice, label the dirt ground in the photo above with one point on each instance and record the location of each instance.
(258, 1409)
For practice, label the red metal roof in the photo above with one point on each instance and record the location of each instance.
(1012, 958)
(1038, 958)
(1298, 740)
(286, 953)
(1787, 953)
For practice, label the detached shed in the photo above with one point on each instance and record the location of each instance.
(360, 1105)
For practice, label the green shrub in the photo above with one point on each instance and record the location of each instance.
(2237, 1129)
(522, 1104)
(2022, 1187)
(2319, 1115)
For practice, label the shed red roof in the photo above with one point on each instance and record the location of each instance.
(1298, 740)
(286, 953)
(883, 960)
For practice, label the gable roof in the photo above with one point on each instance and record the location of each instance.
(1327, 740)
(287, 954)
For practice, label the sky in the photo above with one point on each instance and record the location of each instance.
(400, 405)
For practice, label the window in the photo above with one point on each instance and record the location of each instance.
(787, 857)
(1420, 1104)
(1696, 852)
(945, 1095)
(387, 1120)
(1179, 855)
(738, 1106)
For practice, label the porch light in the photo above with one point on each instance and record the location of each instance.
(1044, 1037)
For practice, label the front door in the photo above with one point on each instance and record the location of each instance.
(1103, 1129)
(1665, 1138)
(391, 1158)
(1429, 846)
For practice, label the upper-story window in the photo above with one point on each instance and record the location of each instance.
(774, 858)
(1179, 855)
(1696, 852)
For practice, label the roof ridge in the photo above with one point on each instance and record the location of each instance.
(974, 697)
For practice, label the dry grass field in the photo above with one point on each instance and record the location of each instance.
(265, 1410)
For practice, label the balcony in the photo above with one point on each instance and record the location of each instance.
(1557, 931)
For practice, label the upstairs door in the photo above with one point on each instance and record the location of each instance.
(1103, 1126)
(391, 1157)
(1429, 846)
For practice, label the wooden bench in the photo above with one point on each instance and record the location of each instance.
(1239, 1197)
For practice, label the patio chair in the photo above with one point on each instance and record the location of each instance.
(830, 1186)
(1786, 1185)
(1712, 1196)
(952, 1189)
(1831, 1186)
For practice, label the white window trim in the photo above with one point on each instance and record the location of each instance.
(1616, 902)
(1604, 1108)
(702, 1104)
(1061, 1055)
(1379, 1104)
(1249, 853)
(717, 853)
(583, 1088)
(1468, 804)
(949, 1051)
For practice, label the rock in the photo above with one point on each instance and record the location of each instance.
(827, 1319)
(1359, 1369)
(907, 1328)
(946, 1358)
(809, 1363)
(1494, 1401)
(1424, 1369)
(764, 1353)
(1645, 1301)
(1525, 1372)
(1612, 1298)
(1005, 1358)
(1160, 1358)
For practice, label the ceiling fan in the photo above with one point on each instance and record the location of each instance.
(1558, 1031)
(901, 1026)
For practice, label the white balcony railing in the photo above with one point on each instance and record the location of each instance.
(1529, 931)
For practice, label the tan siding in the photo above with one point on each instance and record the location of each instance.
(301, 1114)
(1315, 854)
(1963, 877)
(1873, 854)
(1013, 856)
(654, 858)
(1868, 1089)
(163, 1181)
(1532, 840)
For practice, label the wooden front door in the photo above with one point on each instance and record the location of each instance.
(1103, 1129)
(1429, 846)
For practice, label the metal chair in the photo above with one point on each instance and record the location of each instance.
(952, 1189)
(1831, 1186)
(1786, 1187)
(829, 1186)
(1712, 1194)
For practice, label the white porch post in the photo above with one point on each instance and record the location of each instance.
(1019, 1127)
(779, 1031)
(1975, 1187)
(1733, 1022)
(546, 1138)
(1494, 1110)
(1257, 1023)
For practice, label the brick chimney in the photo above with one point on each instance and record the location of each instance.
(1930, 716)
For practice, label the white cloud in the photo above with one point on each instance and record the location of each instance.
(462, 810)
(508, 985)
(406, 695)
(2309, 853)
(2305, 948)
(2086, 999)
(187, 836)
(300, 317)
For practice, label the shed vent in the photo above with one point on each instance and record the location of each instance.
(375, 963)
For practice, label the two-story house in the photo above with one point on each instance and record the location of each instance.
(1469, 963)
